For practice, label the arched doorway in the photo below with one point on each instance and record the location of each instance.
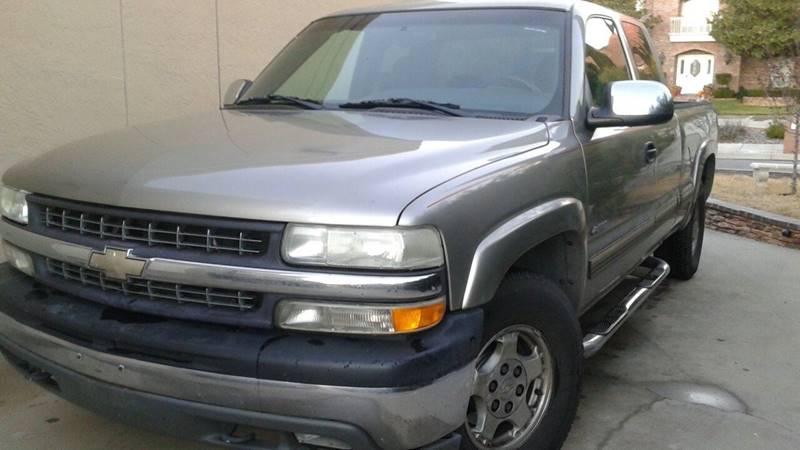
(694, 71)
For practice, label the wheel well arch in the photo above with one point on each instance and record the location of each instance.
(554, 230)
(558, 259)
(708, 173)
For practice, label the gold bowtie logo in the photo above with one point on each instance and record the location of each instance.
(117, 263)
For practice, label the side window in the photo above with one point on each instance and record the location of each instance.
(643, 54)
(605, 57)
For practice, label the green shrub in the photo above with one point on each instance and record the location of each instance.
(741, 94)
(775, 131)
(771, 92)
(724, 92)
(724, 79)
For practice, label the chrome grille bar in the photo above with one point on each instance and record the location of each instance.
(175, 235)
(137, 287)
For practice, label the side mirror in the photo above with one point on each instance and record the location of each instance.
(633, 104)
(235, 92)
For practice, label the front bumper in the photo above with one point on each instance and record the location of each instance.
(203, 404)
(107, 391)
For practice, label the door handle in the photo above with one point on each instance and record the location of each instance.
(650, 152)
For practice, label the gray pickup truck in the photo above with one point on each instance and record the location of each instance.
(407, 232)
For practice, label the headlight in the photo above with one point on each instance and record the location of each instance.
(349, 318)
(13, 205)
(363, 248)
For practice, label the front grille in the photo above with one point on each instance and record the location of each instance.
(155, 233)
(153, 290)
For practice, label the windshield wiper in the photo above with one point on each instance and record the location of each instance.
(281, 99)
(446, 108)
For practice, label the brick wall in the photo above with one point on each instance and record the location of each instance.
(753, 224)
(666, 9)
(755, 73)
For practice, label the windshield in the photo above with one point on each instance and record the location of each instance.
(480, 61)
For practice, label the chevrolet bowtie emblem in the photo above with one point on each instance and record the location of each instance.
(117, 263)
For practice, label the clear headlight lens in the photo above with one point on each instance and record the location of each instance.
(13, 205)
(363, 248)
(351, 318)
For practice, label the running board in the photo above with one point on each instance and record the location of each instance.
(599, 334)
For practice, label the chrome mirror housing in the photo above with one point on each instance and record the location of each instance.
(235, 92)
(632, 104)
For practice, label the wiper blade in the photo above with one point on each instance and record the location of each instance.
(281, 99)
(446, 108)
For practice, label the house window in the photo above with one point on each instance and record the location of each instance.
(695, 68)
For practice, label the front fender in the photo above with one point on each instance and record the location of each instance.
(492, 215)
(510, 240)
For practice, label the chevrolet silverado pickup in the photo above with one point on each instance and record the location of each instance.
(407, 232)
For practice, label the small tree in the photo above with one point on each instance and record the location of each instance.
(633, 8)
(791, 97)
(759, 29)
(765, 30)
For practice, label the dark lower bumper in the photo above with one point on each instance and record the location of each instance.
(215, 423)
(206, 405)
(181, 418)
(395, 362)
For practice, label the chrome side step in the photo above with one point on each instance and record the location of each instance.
(598, 335)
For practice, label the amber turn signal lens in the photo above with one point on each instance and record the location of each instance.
(354, 318)
(417, 318)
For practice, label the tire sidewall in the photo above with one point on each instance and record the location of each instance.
(529, 300)
(699, 218)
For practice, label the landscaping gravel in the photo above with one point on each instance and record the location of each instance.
(749, 136)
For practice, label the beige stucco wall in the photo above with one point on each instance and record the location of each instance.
(70, 69)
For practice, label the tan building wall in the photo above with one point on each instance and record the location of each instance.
(75, 68)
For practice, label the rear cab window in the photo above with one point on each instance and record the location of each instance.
(644, 55)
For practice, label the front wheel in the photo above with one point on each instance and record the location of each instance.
(527, 375)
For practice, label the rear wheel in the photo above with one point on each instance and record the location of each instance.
(683, 249)
(525, 392)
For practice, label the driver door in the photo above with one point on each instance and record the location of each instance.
(620, 176)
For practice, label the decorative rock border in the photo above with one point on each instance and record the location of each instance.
(753, 223)
(769, 102)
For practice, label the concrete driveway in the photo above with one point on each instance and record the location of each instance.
(727, 338)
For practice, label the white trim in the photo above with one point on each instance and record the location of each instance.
(691, 37)
(690, 29)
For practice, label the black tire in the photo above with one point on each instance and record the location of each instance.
(683, 249)
(530, 300)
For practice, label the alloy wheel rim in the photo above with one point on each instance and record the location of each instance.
(512, 389)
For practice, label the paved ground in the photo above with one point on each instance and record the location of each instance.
(729, 337)
(734, 327)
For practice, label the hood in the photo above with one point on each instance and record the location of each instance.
(331, 167)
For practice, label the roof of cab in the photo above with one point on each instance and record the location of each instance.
(422, 5)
